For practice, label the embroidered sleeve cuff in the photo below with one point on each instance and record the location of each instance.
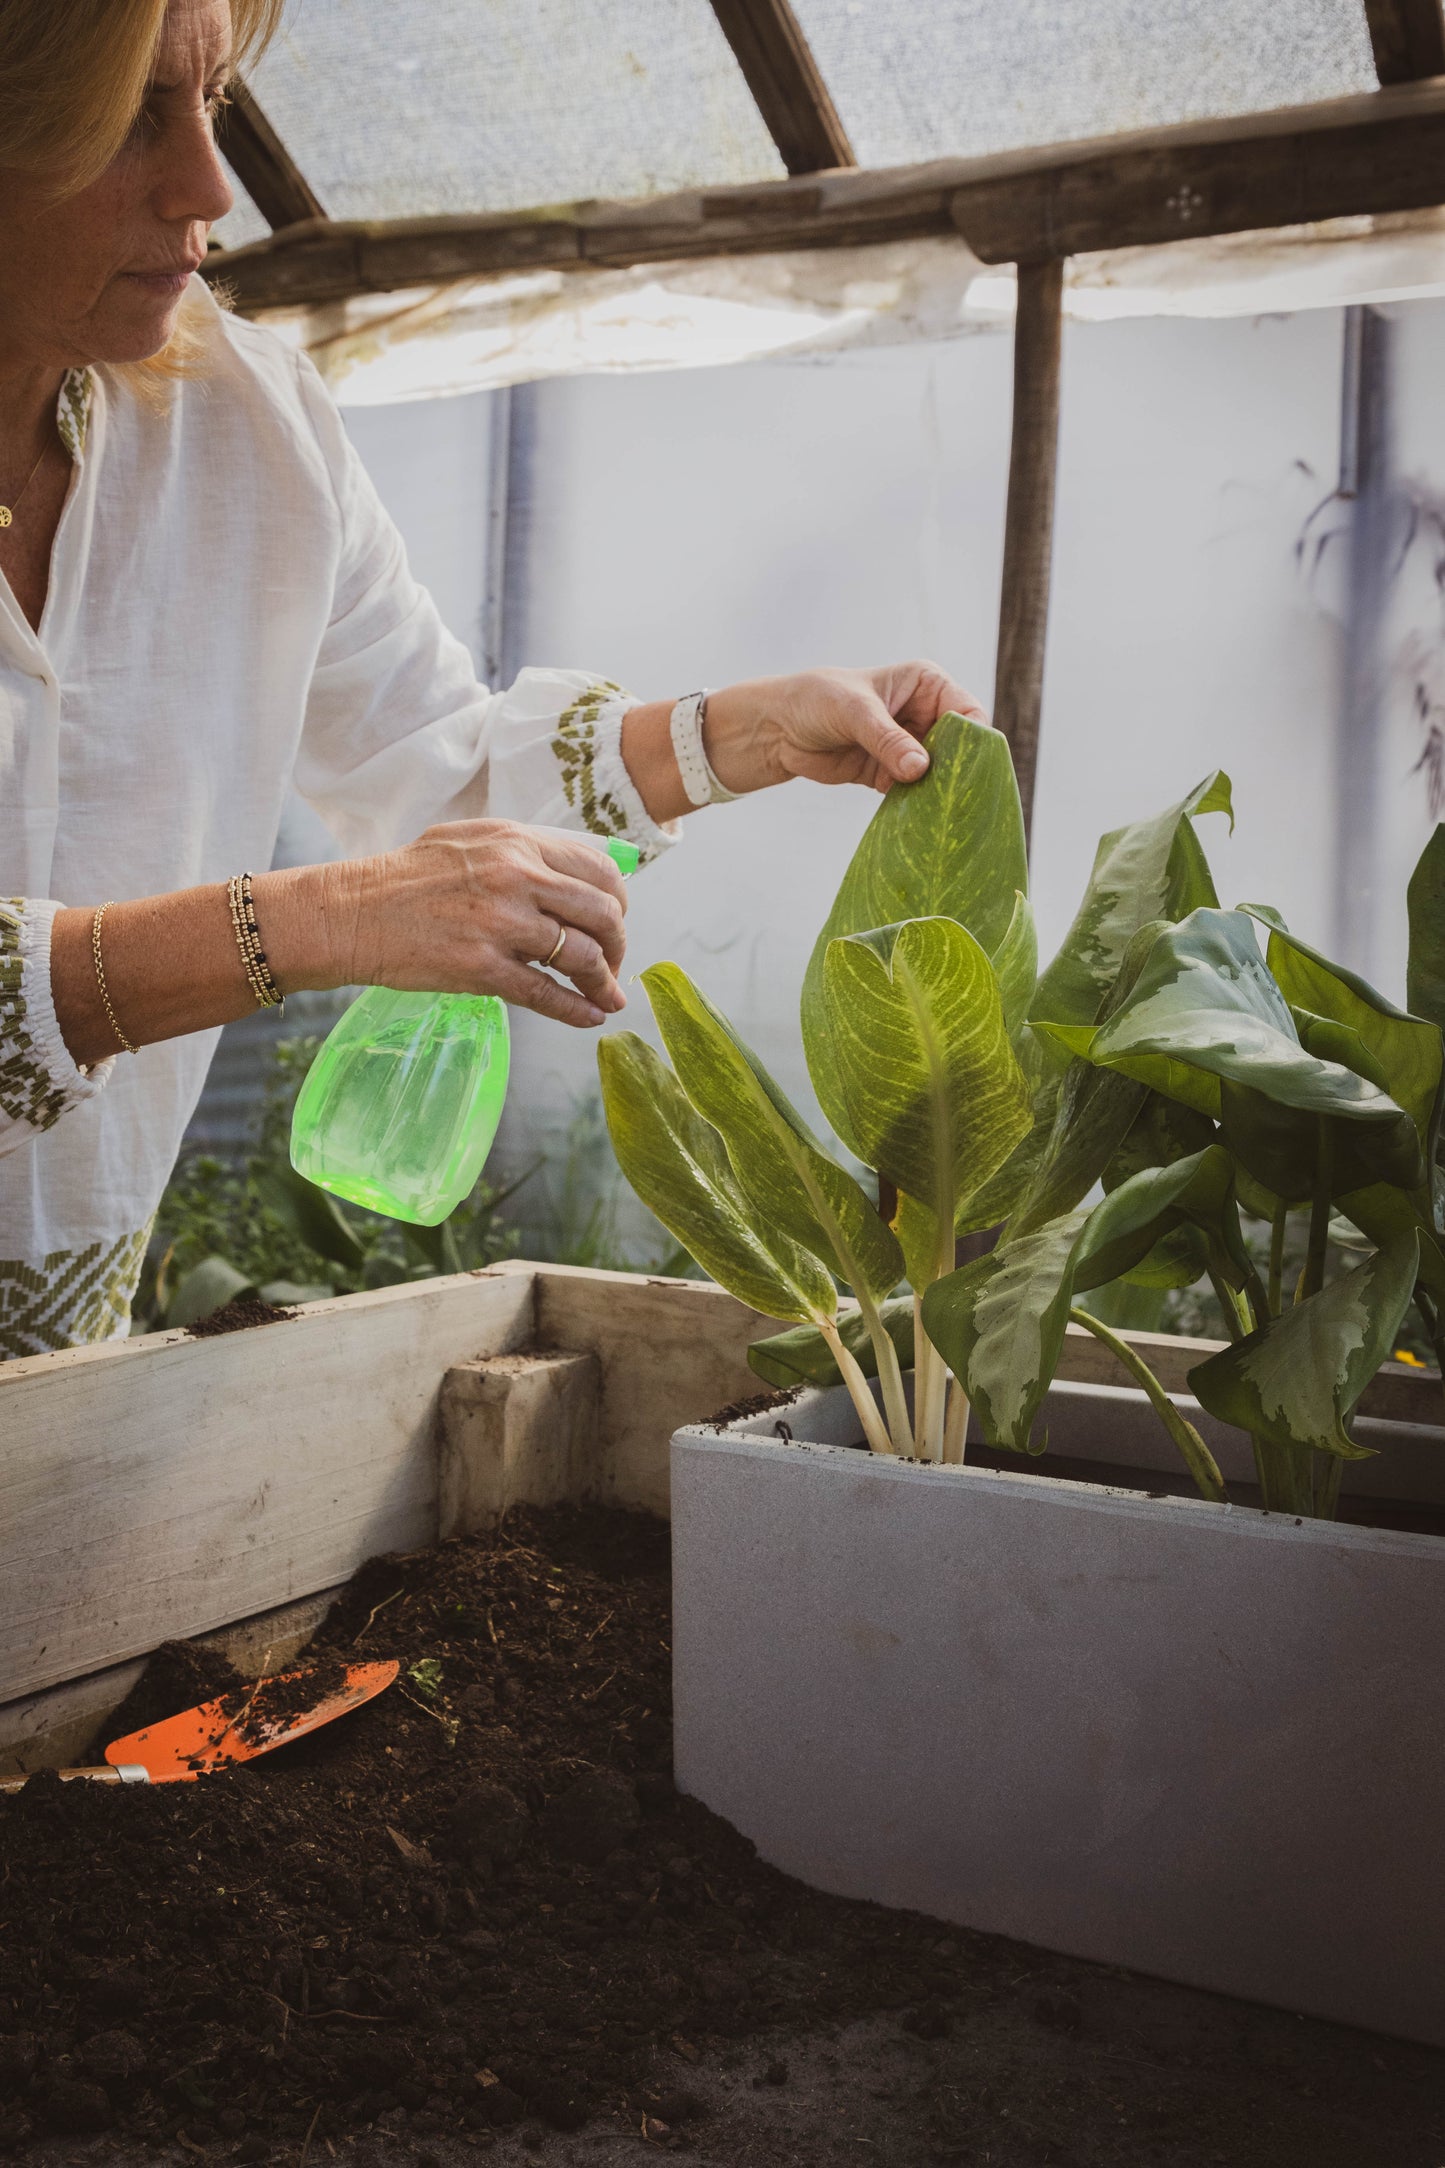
(38, 1079)
(555, 757)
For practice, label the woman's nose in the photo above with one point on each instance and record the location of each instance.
(192, 182)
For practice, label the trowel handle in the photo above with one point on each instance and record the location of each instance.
(125, 1773)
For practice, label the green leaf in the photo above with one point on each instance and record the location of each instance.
(999, 1325)
(1404, 1051)
(680, 1169)
(792, 1184)
(999, 1322)
(931, 1093)
(801, 1356)
(1153, 869)
(950, 846)
(1016, 964)
(312, 1215)
(1206, 1009)
(1425, 976)
(1298, 1379)
(206, 1288)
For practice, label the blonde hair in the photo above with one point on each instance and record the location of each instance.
(73, 78)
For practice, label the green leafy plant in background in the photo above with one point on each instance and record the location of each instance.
(1161, 1057)
(230, 1228)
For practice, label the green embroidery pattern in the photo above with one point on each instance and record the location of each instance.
(575, 746)
(26, 1092)
(72, 415)
(73, 1298)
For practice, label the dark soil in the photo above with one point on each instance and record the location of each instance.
(238, 1316)
(478, 1906)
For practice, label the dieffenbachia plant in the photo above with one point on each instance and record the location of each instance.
(1277, 1080)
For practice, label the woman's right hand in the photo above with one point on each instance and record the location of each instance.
(472, 907)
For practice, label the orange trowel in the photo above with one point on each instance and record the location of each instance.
(250, 1721)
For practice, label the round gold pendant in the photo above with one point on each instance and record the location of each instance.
(6, 515)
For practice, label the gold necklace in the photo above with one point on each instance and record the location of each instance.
(7, 511)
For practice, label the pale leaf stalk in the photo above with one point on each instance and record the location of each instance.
(1195, 1454)
(890, 1376)
(1276, 1259)
(875, 1429)
(955, 1429)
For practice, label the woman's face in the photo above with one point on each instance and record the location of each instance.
(100, 276)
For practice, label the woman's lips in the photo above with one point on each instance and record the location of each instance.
(169, 283)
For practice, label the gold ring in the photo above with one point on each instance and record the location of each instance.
(548, 961)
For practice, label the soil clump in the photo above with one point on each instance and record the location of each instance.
(241, 1315)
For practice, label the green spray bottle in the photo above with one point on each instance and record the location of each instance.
(400, 1107)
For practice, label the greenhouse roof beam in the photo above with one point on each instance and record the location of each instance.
(1408, 37)
(262, 163)
(1374, 154)
(779, 69)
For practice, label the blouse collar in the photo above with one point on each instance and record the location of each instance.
(72, 414)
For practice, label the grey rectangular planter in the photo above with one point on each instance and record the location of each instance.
(1197, 1740)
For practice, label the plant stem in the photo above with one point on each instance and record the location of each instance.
(890, 1376)
(1224, 1295)
(928, 1378)
(955, 1429)
(860, 1392)
(1313, 1277)
(1276, 1258)
(1195, 1453)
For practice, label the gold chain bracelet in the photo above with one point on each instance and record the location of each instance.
(110, 1015)
(248, 940)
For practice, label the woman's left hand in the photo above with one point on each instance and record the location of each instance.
(832, 726)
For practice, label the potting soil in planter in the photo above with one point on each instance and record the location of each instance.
(478, 1903)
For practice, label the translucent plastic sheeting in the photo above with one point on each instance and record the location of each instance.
(397, 108)
(480, 333)
(960, 78)
(243, 223)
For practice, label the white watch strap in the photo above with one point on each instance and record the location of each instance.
(693, 765)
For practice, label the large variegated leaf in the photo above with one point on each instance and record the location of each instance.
(999, 1322)
(950, 846)
(1425, 977)
(1206, 1010)
(801, 1356)
(792, 1184)
(930, 1091)
(1298, 1379)
(1153, 869)
(678, 1165)
(1016, 964)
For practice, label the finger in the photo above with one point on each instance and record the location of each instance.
(527, 988)
(581, 960)
(896, 750)
(581, 862)
(595, 911)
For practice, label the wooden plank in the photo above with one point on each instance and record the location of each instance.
(1373, 154)
(1398, 1394)
(161, 1487)
(54, 1729)
(1028, 546)
(670, 1352)
(1408, 37)
(262, 163)
(780, 71)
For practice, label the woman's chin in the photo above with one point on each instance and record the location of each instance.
(140, 321)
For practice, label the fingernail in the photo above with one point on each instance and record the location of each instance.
(914, 762)
(596, 1016)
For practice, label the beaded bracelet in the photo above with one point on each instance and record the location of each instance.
(110, 1015)
(248, 940)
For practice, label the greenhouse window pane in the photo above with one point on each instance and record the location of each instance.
(961, 78)
(396, 110)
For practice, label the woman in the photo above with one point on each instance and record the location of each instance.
(203, 603)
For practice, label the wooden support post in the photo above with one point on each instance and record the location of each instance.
(516, 1430)
(778, 66)
(1408, 37)
(1028, 546)
(262, 163)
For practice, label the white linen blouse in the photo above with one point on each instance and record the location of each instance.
(230, 612)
